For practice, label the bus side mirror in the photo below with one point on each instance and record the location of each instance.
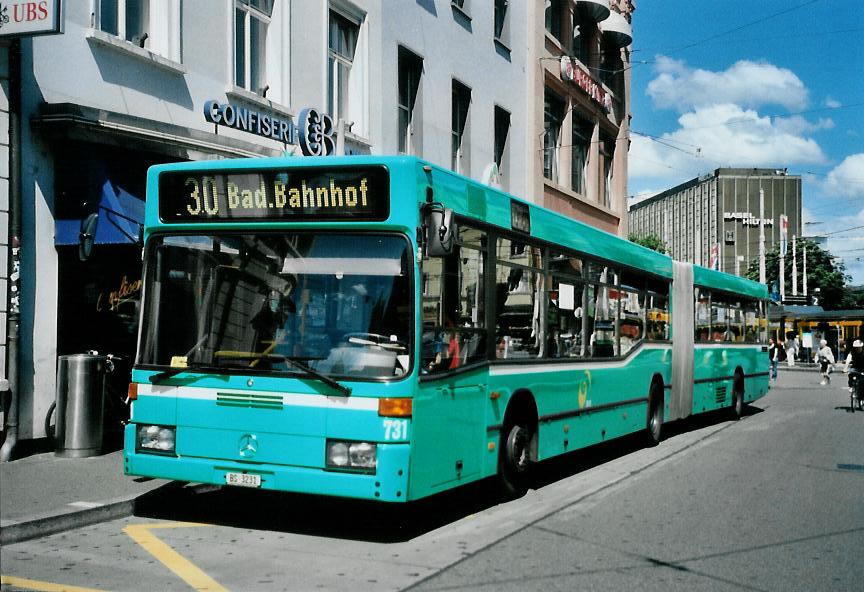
(440, 232)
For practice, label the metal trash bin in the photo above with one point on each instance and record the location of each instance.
(80, 405)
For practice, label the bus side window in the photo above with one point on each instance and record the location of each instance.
(518, 289)
(454, 305)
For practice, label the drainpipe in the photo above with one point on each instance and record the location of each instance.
(14, 295)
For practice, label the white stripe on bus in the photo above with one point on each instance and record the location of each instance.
(292, 399)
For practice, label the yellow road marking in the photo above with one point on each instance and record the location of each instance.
(181, 566)
(42, 586)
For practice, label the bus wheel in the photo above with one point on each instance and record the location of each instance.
(654, 427)
(514, 462)
(738, 397)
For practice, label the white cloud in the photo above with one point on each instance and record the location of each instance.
(847, 178)
(746, 83)
(832, 103)
(723, 136)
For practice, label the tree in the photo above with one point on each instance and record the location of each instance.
(651, 241)
(826, 276)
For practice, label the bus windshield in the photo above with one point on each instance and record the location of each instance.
(339, 304)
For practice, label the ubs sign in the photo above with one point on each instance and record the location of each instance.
(34, 17)
(314, 133)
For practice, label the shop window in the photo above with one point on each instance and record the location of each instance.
(149, 24)
(347, 72)
(460, 154)
(553, 117)
(410, 125)
(454, 305)
(579, 150)
(251, 21)
(502, 145)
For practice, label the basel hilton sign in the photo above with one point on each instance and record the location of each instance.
(747, 219)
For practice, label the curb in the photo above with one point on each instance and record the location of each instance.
(39, 526)
(17, 531)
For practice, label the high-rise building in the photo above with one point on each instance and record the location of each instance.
(714, 220)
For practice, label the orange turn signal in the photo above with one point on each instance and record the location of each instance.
(132, 393)
(395, 407)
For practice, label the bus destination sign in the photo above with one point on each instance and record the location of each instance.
(309, 194)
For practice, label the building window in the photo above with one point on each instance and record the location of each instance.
(553, 12)
(346, 98)
(579, 150)
(460, 105)
(127, 19)
(612, 69)
(502, 160)
(583, 38)
(410, 113)
(150, 25)
(502, 30)
(607, 154)
(553, 116)
(251, 20)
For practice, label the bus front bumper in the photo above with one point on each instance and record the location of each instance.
(389, 483)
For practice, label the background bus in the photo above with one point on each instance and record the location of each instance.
(382, 328)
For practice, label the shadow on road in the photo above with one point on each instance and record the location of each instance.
(373, 521)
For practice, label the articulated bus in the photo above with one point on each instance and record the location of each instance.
(385, 329)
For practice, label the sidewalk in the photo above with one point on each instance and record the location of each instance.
(44, 494)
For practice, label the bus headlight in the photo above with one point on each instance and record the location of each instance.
(156, 438)
(351, 455)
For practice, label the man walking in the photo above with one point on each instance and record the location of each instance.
(825, 357)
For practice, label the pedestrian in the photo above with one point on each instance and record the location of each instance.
(825, 357)
(791, 350)
(773, 358)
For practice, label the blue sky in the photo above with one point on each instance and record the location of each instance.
(755, 83)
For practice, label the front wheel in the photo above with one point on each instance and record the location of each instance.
(514, 462)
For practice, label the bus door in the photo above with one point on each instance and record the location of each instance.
(681, 401)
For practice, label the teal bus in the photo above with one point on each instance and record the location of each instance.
(382, 328)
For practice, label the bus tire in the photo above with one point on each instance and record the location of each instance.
(654, 424)
(514, 463)
(738, 395)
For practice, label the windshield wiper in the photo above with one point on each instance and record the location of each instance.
(345, 390)
(166, 374)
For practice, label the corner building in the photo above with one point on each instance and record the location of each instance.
(579, 97)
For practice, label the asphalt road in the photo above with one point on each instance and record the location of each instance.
(772, 502)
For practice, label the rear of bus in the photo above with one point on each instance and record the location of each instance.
(278, 327)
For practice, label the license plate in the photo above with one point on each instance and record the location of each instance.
(243, 479)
